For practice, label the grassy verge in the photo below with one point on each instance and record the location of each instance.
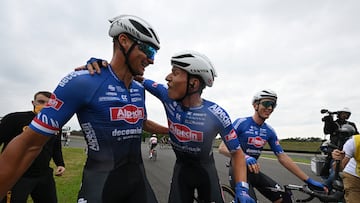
(299, 160)
(68, 185)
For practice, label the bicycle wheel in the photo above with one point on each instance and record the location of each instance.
(228, 194)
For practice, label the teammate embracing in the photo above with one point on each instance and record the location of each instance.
(111, 111)
(193, 125)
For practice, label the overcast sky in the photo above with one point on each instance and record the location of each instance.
(307, 51)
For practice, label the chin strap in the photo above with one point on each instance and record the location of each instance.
(126, 55)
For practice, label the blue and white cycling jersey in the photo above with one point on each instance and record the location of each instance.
(192, 130)
(110, 115)
(253, 137)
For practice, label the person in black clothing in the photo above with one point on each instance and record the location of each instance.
(337, 137)
(332, 127)
(38, 180)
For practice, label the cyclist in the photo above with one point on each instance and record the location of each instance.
(253, 133)
(111, 111)
(152, 144)
(193, 124)
(350, 156)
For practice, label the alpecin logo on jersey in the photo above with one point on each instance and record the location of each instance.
(184, 133)
(256, 141)
(54, 102)
(221, 115)
(129, 113)
(231, 136)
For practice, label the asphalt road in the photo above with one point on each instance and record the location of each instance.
(159, 172)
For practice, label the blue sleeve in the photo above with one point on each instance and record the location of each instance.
(156, 89)
(227, 131)
(71, 93)
(274, 142)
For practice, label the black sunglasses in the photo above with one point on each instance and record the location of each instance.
(267, 104)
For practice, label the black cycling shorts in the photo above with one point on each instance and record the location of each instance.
(190, 177)
(261, 182)
(127, 183)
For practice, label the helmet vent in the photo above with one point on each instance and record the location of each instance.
(140, 28)
(180, 64)
(183, 56)
(154, 34)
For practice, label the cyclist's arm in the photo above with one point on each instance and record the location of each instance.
(224, 150)
(289, 164)
(18, 156)
(239, 166)
(153, 127)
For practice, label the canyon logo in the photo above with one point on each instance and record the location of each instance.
(129, 113)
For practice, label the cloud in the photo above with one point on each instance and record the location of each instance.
(307, 51)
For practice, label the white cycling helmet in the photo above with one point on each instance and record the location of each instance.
(264, 94)
(345, 109)
(195, 64)
(136, 27)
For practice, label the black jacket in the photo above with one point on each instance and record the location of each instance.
(332, 127)
(15, 123)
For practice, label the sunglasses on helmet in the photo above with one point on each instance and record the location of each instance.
(267, 104)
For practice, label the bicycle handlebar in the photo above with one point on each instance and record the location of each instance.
(336, 196)
(322, 196)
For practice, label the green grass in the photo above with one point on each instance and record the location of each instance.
(299, 160)
(68, 185)
(298, 146)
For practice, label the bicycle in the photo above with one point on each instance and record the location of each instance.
(228, 194)
(154, 155)
(288, 197)
(287, 192)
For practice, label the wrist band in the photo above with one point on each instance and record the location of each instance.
(243, 184)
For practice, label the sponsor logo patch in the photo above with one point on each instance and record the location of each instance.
(54, 102)
(231, 136)
(184, 133)
(256, 141)
(129, 113)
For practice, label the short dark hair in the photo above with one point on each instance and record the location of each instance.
(45, 93)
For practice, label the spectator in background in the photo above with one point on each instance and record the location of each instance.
(350, 164)
(337, 138)
(38, 180)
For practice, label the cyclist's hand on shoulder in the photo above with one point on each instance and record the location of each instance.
(252, 164)
(242, 193)
(93, 65)
(315, 185)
